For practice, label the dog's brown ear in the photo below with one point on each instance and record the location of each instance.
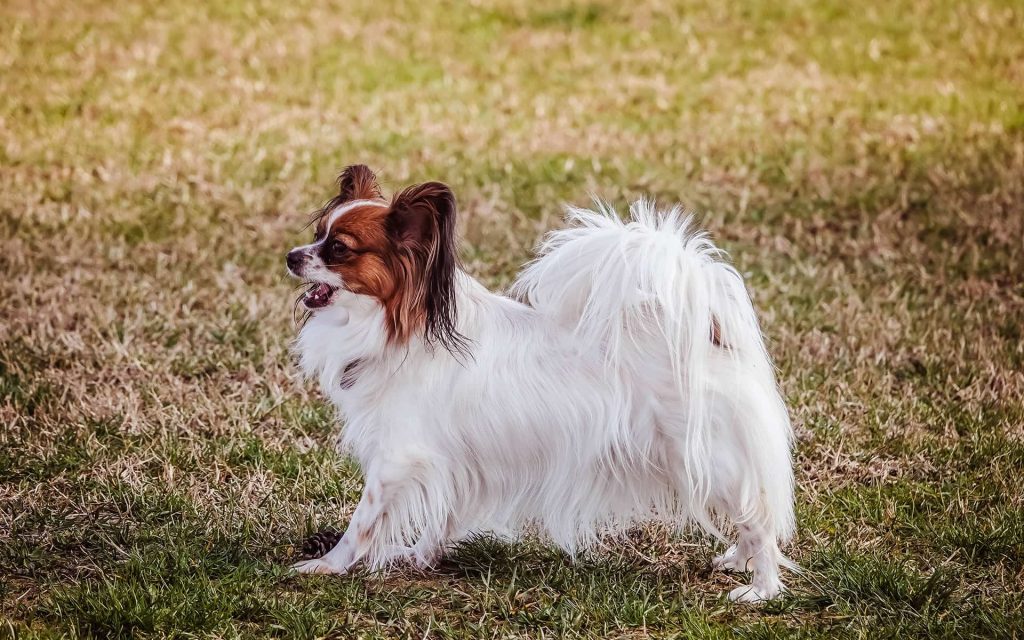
(422, 225)
(357, 182)
(423, 215)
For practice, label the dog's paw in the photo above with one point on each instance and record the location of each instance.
(730, 561)
(316, 565)
(749, 594)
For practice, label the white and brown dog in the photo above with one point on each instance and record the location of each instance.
(624, 379)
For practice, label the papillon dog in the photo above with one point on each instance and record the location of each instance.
(622, 379)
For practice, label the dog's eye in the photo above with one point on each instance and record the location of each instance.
(338, 247)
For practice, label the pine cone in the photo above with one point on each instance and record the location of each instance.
(320, 543)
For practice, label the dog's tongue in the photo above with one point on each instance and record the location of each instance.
(319, 295)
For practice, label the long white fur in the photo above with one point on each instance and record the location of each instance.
(594, 398)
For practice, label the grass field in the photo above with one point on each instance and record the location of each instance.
(160, 459)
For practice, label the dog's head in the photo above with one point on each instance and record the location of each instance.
(400, 252)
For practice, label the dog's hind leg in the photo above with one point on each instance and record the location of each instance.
(756, 551)
(752, 489)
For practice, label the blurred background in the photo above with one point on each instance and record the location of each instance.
(160, 459)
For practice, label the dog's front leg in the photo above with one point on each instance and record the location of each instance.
(343, 555)
(387, 486)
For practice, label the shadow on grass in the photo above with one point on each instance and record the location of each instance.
(188, 585)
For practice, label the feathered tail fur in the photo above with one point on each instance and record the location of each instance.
(655, 294)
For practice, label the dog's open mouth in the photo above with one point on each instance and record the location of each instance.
(319, 295)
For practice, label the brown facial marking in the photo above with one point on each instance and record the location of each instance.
(357, 248)
(403, 253)
(349, 241)
(371, 263)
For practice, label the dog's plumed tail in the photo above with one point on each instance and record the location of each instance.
(654, 296)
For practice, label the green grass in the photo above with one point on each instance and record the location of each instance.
(160, 459)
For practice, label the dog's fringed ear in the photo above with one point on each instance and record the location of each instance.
(357, 182)
(422, 225)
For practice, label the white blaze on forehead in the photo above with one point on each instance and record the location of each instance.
(336, 213)
(348, 206)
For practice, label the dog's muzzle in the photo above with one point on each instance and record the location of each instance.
(296, 261)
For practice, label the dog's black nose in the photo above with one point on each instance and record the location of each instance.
(296, 258)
